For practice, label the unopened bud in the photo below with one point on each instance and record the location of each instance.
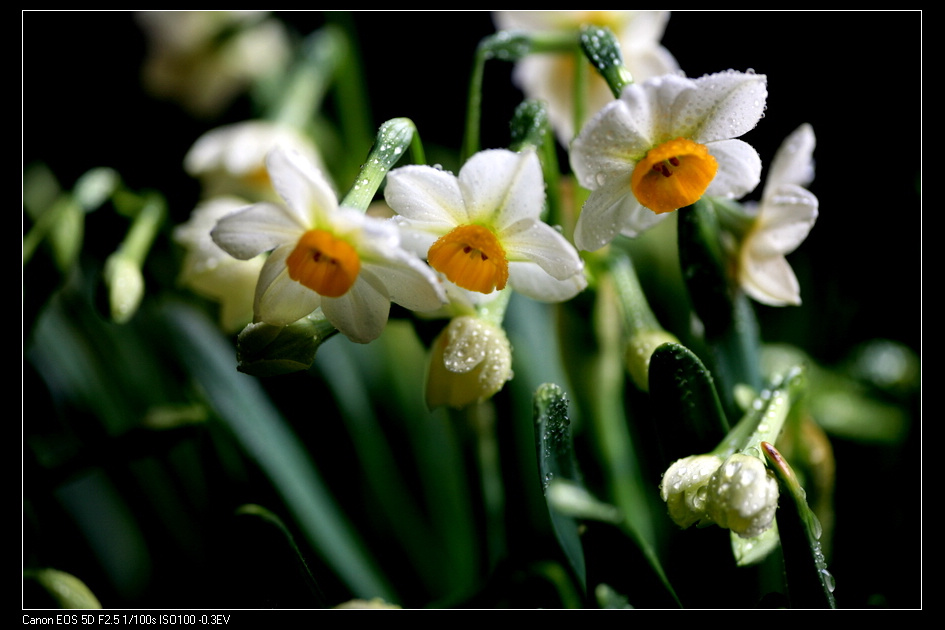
(743, 496)
(471, 361)
(684, 488)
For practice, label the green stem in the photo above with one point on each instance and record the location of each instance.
(482, 418)
(144, 229)
(606, 398)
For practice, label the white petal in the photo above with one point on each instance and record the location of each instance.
(361, 313)
(794, 161)
(534, 241)
(612, 210)
(726, 104)
(256, 229)
(305, 189)
(739, 169)
(411, 283)
(426, 196)
(414, 240)
(784, 220)
(642, 29)
(666, 100)
(531, 280)
(769, 280)
(500, 187)
(279, 299)
(372, 237)
(649, 62)
(614, 140)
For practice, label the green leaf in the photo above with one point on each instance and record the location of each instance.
(263, 433)
(556, 463)
(56, 589)
(810, 584)
(268, 569)
(731, 331)
(686, 405)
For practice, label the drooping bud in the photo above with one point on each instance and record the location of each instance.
(742, 495)
(471, 361)
(684, 488)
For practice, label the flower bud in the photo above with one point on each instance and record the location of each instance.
(125, 285)
(471, 361)
(684, 488)
(743, 495)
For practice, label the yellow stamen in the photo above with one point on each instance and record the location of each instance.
(323, 263)
(471, 257)
(673, 175)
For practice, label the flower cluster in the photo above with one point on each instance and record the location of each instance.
(455, 242)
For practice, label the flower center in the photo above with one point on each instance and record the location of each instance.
(471, 257)
(673, 175)
(323, 263)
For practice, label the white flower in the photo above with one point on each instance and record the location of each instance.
(661, 146)
(210, 271)
(231, 160)
(203, 59)
(550, 77)
(684, 488)
(483, 229)
(743, 495)
(349, 264)
(782, 220)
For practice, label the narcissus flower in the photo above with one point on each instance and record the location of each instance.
(231, 160)
(349, 264)
(204, 59)
(782, 220)
(550, 77)
(210, 271)
(663, 145)
(482, 230)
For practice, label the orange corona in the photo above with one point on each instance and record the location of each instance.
(673, 175)
(471, 257)
(325, 264)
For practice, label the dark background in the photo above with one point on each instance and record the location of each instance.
(856, 77)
